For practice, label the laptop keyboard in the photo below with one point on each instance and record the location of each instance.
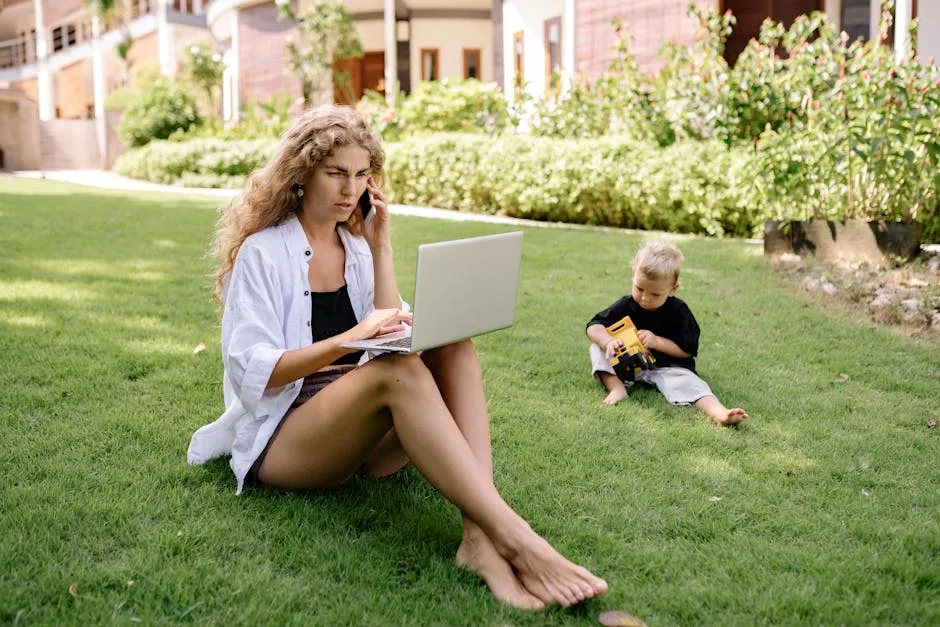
(402, 342)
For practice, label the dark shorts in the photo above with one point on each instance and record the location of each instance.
(311, 386)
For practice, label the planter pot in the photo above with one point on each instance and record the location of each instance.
(847, 240)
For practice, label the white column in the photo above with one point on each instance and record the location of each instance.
(902, 20)
(98, 81)
(44, 88)
(197, 7)
(391, 52)
(165, 39)
(568, 44)
(235, 67)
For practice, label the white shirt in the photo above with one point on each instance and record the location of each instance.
(267, 312)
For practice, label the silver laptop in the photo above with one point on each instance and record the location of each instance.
(463, 288)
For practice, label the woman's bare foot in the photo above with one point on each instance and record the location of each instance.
(548, 575)
(732, 417)
(477, 554)
(616, 396)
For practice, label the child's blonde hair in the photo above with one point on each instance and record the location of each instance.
(658, 260)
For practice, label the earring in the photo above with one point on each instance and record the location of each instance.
(299, 191)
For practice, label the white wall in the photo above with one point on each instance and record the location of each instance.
(529, 16)
(16, 20)
(928, 38)
(371, 34)
(450, 37)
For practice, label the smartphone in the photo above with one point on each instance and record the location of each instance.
(365, 206)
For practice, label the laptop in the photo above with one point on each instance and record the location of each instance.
(463, 288)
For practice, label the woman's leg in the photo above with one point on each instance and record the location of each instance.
(457, 372)
(323, 442)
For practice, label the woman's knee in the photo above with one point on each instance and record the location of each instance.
(402, 370)
(459, 353)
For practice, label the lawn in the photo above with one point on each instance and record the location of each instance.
(822, 509)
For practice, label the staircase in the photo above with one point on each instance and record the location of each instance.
(69, 145)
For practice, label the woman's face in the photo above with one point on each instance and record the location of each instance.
(337, 183)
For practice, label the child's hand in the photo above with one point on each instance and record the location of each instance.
(647, 337)
(611, 349)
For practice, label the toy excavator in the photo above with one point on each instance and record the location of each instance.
(633, 357)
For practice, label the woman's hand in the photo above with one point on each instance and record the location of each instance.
(380, 322)
(377, 230)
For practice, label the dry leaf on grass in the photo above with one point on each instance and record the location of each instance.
(842, 378)
(931, 422)
(616, 618)
(199, 348)
(73, 589)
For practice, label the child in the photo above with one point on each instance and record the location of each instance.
(666, 327)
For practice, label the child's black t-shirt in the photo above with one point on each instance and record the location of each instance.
(673, 321)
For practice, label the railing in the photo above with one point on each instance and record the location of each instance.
(76, 29)
(69, 32)
(18, 51)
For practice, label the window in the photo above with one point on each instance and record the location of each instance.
(552, 53)
(429, 67)
(63, 36)
(471, 63)
(518, 55)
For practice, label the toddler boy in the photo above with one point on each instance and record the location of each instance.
(666, 327)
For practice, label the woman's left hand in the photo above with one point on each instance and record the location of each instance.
(377, 229)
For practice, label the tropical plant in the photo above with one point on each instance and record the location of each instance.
(204, 67)
(325, 34)
(112, 14)
(863, 141)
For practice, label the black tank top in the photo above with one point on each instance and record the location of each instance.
(332, 314)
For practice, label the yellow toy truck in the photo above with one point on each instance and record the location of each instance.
(633, 357)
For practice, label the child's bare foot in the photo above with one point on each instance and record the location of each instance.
(731, 417)
(712, 407)
(477, 554)
(549, 576)
(616, 396)
(616, 391)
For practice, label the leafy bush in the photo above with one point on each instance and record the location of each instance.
(455, 105)
(864, 140)
(197, 163)
(616, 181)
(161, 108)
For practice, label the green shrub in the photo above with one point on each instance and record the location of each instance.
(161, 108)
(616, 181)
(197, 163)
(455, 105)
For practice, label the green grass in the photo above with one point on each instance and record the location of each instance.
(829, 509)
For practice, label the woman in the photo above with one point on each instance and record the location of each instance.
(301, 274)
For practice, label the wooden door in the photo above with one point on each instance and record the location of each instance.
(750, 15)
(365, 73)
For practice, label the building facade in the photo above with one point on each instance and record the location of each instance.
(405, 42)
(62, 58)
(544, 42)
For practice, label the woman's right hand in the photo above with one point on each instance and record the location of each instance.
(380, 322)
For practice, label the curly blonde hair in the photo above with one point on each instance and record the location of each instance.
(271, 195)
